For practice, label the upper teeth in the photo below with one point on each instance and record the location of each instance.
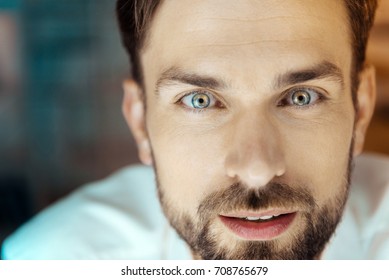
(260, 218)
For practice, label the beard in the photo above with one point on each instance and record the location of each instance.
(208, 241)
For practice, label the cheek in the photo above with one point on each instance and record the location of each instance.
(188, 161)
(318, 156)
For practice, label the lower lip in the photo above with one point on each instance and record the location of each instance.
(258, 230)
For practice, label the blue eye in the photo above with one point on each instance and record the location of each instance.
(199, 100)
(301, 97)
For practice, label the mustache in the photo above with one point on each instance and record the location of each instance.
(241, 197)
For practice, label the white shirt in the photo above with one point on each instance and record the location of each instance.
(120, 218)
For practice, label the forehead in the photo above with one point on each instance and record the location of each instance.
(212, 35)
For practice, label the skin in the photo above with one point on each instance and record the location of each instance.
(253, 135)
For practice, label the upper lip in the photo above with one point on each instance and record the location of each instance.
(244, 214)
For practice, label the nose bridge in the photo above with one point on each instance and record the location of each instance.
(256, 154)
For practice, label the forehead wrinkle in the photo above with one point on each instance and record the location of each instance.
(242, 26)
(203, 23)
(254, 42)
(249, 20)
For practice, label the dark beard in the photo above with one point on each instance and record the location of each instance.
(307, 246)
(319, 223)
(317, 229)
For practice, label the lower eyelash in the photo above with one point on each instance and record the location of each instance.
(196, 111)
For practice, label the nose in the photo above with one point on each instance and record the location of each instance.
(255, 153)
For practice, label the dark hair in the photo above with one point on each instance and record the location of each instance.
(135, 16)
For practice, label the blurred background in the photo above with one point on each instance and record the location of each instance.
(61, 67)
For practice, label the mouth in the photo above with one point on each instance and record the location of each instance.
(258, 226)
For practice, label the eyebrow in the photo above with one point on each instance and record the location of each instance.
(175, 74)
(323, 70)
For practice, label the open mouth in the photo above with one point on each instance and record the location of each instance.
(262, 218)
(258, 227)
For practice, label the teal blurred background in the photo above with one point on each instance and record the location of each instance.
(61, 67)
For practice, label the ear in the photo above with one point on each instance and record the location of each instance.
(366, 95)
(134, 114)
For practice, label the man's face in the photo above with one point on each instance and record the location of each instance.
(250, 119)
